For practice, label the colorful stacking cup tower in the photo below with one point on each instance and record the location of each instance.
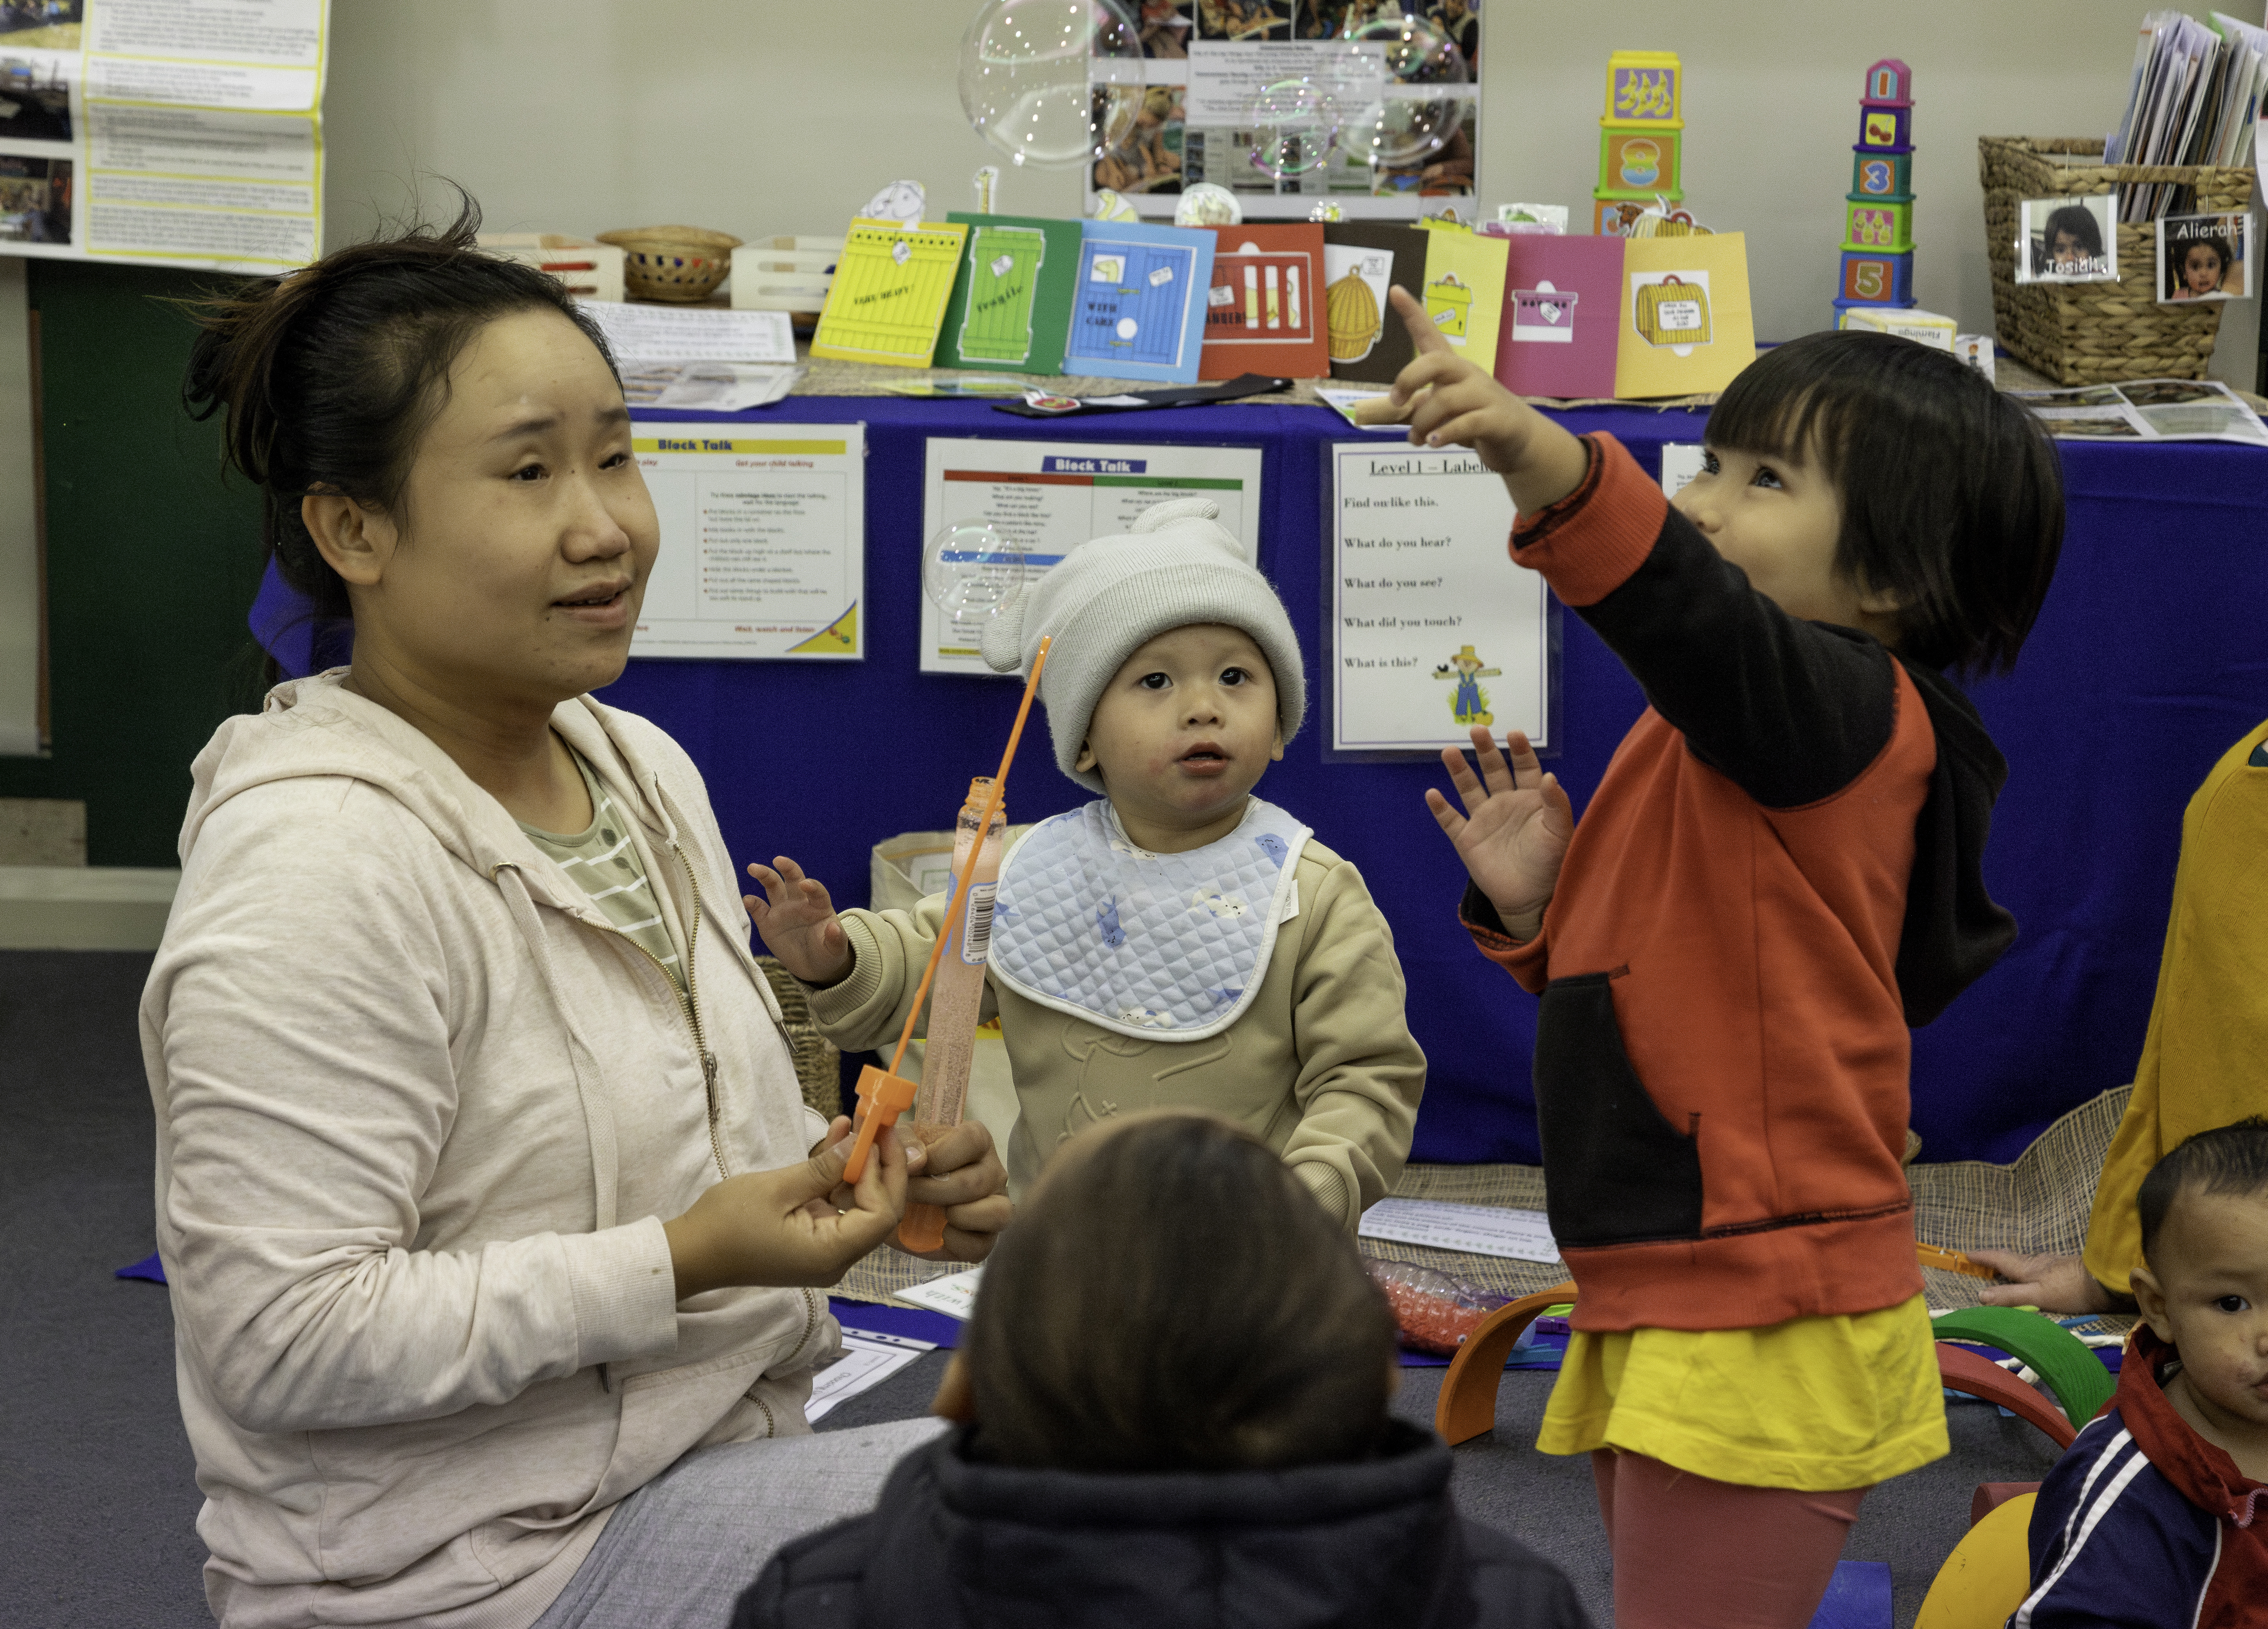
(1639, 138)
(1878, 210)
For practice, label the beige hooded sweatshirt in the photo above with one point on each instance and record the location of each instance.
(421, 1112)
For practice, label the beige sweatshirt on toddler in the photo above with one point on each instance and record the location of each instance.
(1322, 1066)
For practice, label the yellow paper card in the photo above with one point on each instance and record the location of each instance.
(1686, 327)
(887, 299)
(1463, 291)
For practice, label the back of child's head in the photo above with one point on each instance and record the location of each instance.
(2230, 1160)
(1177, 566)
(1171, 1299)
(327, 377)
(1952, 493)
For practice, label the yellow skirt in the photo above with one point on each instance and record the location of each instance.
(1818, 1404)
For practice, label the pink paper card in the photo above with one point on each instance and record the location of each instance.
(1560, 305)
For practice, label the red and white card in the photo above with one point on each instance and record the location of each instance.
(1265, 310)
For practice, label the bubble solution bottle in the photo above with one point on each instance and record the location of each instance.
(956, 994)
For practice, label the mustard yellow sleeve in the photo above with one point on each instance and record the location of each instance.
(2208, 1029)
(1360, 1071)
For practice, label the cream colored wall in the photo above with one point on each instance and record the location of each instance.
(785, 116)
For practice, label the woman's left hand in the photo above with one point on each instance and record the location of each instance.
(956, 1168)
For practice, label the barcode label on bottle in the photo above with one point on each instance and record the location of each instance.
(977, 929)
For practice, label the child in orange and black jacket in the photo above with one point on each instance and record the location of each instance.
(1778, 874)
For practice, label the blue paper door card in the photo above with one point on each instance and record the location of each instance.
(1138, 309)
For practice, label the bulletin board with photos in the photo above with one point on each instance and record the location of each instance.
(1288, 103)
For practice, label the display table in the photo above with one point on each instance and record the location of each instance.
(2149, 659)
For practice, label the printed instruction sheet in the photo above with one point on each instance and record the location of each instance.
(1476, 1229)
(868, 1358)
(1432, 628)
(167, 132)
(1047, 497)
(764, 541)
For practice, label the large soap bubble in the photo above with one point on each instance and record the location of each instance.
(969, 569)
(1412, 119)
(1294, 126)
(1052, 82)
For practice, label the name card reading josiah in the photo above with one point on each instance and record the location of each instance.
(1433, 630)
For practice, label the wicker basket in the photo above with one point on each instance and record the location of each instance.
(683, 264)
(2097, 333)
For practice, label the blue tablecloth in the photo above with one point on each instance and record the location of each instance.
(2150, 658)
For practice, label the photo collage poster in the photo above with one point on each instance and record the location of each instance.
(1209, 65)
(163, 132)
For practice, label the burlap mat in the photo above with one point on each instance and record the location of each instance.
(2039, 1204)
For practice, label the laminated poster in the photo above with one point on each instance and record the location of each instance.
(763, 539)
(1264, 309)
(1011, 303)
(1047, 497)
(1463, 291)
(889, 296)
(1685, 328)
(1139, 309)
(164, 132)
(1207, 68)
(1559, 332)
(1362, 260)
(1430, 631)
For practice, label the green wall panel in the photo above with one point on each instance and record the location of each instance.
(152, 560)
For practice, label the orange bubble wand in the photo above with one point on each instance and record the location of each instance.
(884, 1094)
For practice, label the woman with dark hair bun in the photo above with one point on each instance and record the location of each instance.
(485, 1192)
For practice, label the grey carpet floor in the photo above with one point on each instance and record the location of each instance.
(97, 1492)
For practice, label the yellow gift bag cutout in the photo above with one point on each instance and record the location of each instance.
(1671, 313)
(1449, 303)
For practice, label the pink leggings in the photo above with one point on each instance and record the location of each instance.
(1693, 1553)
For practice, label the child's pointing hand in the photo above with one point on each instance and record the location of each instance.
(1446, 399)
(1514, 831)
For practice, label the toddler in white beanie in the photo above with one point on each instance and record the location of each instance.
(1178, 942)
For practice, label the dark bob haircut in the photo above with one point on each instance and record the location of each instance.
(2230, 1160)
(1172, 1298)
(2079, 221)
(328, 376)
(1952, 493)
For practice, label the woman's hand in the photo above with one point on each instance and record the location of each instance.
(962, 1174)
(1445, 398)
(1514, 831)
(2051, 1283)
(800, 1225)
(797, 921)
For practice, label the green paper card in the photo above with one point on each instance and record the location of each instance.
(1010, 305)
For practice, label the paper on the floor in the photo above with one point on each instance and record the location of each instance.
(1476, 1229)
(869, 1358)
(638, 333)
(953, 1294)
(707, 386)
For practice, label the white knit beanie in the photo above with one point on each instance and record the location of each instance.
(1111, 595)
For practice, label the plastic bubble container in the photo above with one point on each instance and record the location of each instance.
(1432, 1311)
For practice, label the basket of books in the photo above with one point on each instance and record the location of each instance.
(2100, 333)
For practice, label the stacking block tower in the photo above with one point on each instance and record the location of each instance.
(1878, 211)
(1638, 138)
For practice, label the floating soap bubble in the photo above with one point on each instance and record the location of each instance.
(1413, 118)
(1294, 126)
(970, 570)
(1203, 204)
(1052, 82)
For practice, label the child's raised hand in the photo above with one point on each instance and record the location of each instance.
(1515, 829)
(796, 922)
(1446, 398)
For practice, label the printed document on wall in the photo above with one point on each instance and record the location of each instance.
(764, 541)
(1045, 498)
(1430, 630)
(163, 132)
